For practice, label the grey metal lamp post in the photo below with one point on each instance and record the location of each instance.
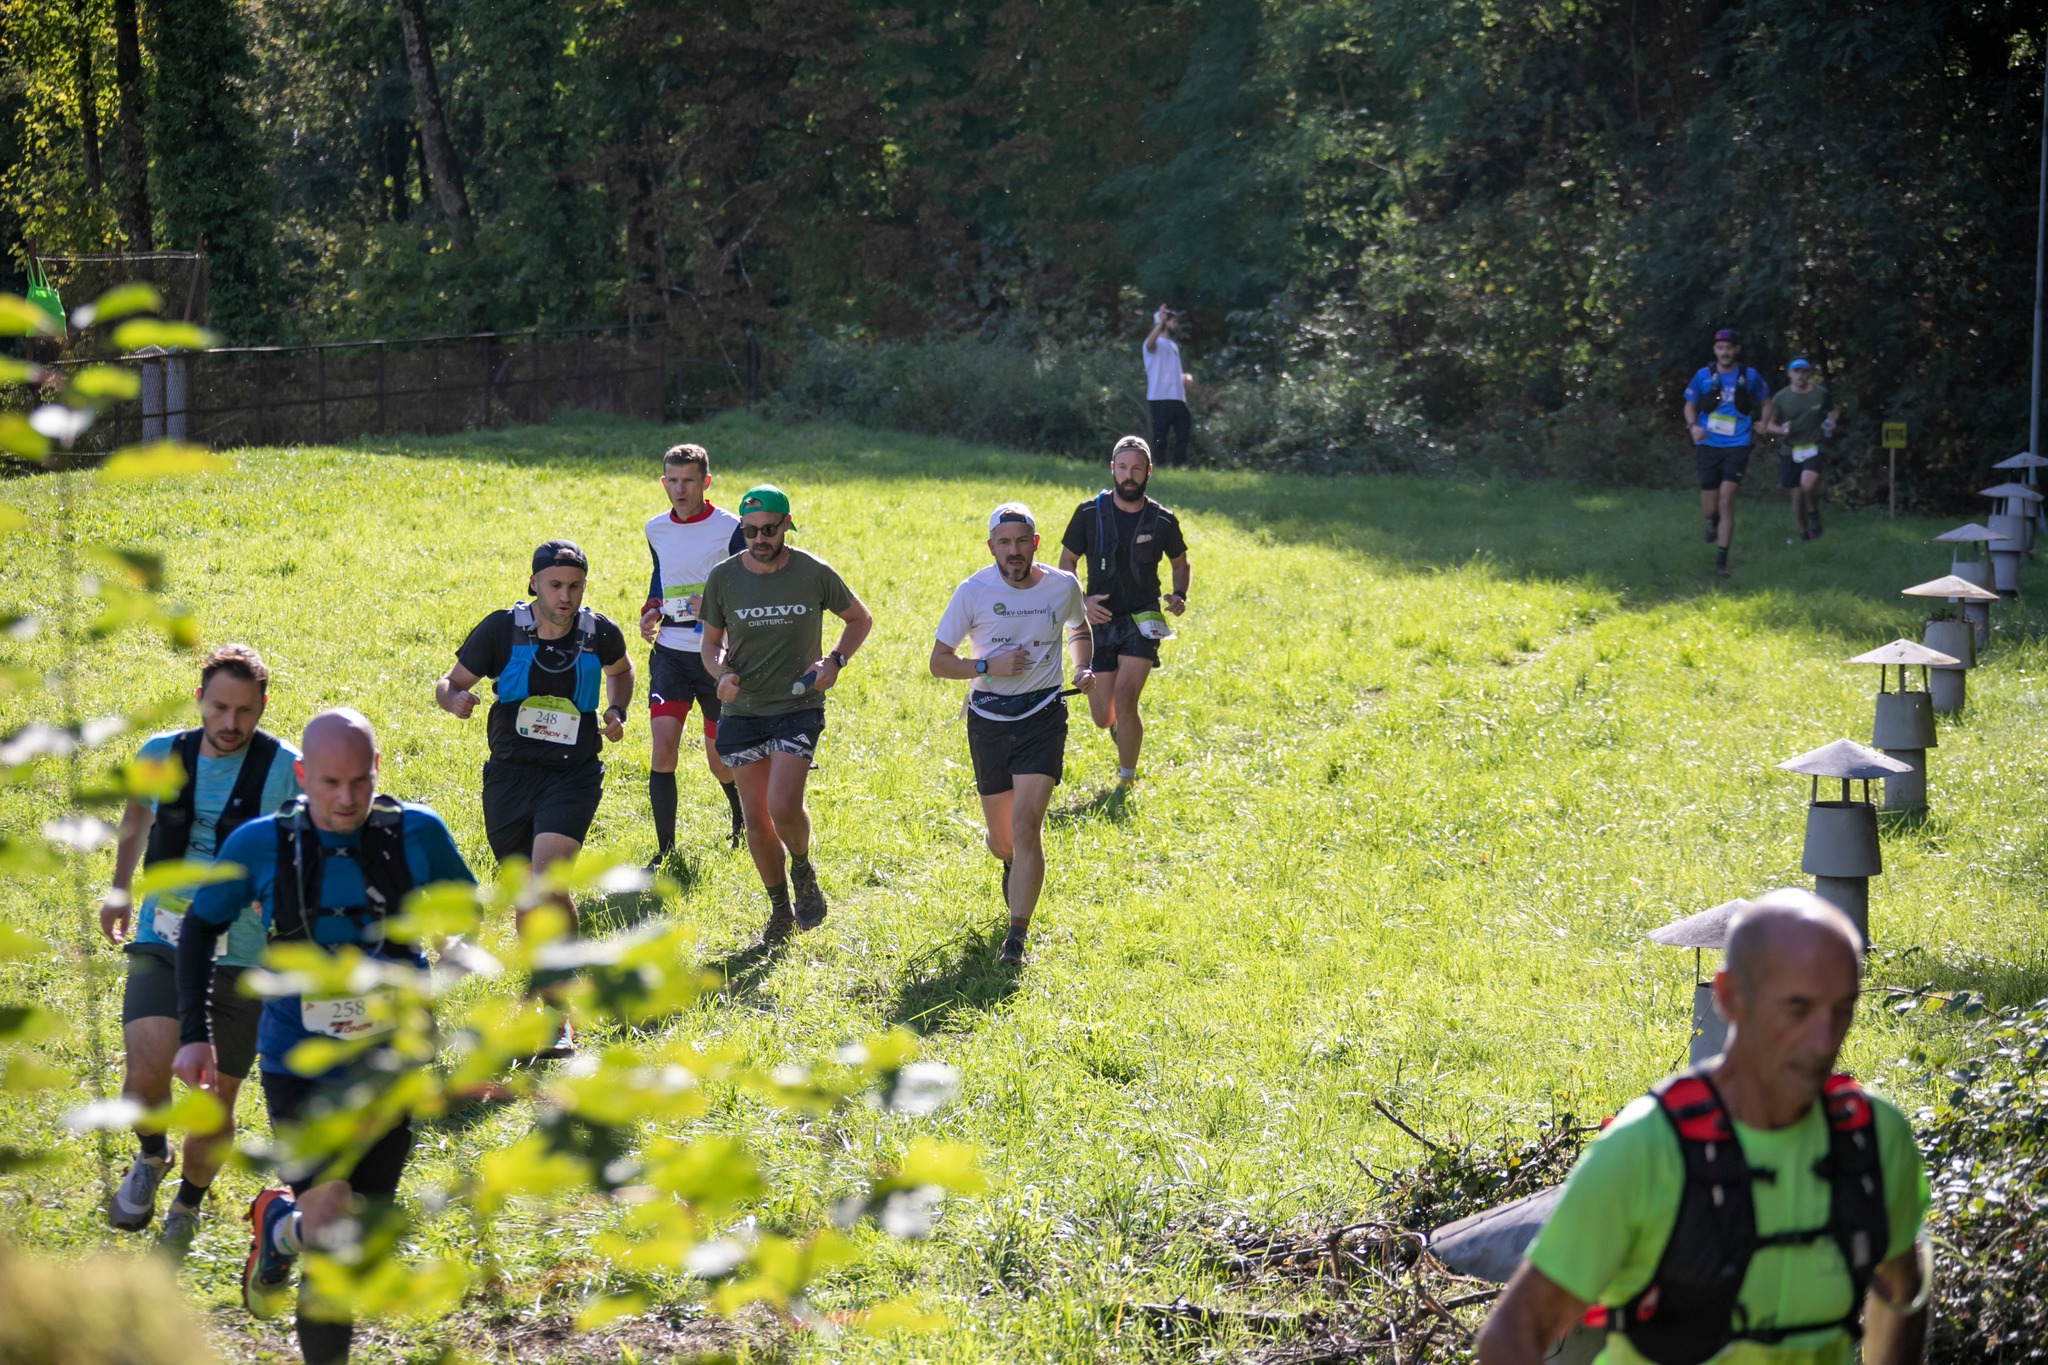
(2014, 520)
(1903, 728)
(1957, 638)
(1706, 930)
(1977, 571)
(1841, 849)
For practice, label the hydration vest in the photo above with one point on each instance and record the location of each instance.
(1743, 401)
(515, 683)
(1104, 552)
(301, 861)
(171, 835)
(1691, 1307)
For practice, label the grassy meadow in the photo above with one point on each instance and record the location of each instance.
(1426, 763)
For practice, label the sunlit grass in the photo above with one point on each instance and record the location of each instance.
(1424, 765)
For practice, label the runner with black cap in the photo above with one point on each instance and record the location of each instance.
(549, 659)
(686, 542)
(763, 616)
(233, 773)
(1013, 614)
(1723, 403)
(1123, 534)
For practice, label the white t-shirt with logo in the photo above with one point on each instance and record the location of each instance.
(1162, 371)
(990, 616)
(685, 553)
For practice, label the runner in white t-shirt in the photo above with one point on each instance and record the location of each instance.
(1166, 389)
(1013, 615)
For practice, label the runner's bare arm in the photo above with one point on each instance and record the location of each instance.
(1530, 1315)
(947, 663)
(859, 621)
(618, 694)
(1180, 586)
(1068, 559)
(712, 652)
(1081, 653)
(452, 692)
(1692, 419)
(1895, 1312)
(119, 905)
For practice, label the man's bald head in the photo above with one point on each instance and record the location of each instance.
(1784, 925)
(339, 769)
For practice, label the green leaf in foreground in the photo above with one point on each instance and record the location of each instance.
(20, 440)
(20, 318)
(122, 301)
(105, 383)
(182, 875)
(172, 336)
(162, 460)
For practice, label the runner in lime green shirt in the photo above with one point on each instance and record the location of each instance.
(1789, 993)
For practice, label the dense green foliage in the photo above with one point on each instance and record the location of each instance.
(1504, 214)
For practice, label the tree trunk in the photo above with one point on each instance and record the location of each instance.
(434, 140)
(135, 215)
(88, 99)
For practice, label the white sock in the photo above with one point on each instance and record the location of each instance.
(1126, 772)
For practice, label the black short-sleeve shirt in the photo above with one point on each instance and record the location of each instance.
(1135, 584)
(489, 649)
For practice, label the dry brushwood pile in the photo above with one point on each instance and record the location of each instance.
(1310, 1293)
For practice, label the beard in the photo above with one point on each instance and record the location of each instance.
(1130, 490)
(1017, 568)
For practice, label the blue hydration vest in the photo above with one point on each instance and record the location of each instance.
(515, 683)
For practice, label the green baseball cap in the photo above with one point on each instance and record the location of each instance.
(764, 497)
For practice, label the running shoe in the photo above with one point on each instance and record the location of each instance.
(1713, 530)
(781, 924)
(268, 1273)
(563, 1046)
(805, 895)
(1813, 527)
(180, 1226)
(132, 1207)
(1723, 571)
(1126, 784)
(1012, 954)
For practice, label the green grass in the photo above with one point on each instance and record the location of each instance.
(1426, 763)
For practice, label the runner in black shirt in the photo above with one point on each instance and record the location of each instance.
(1123, 536)
(550, 659)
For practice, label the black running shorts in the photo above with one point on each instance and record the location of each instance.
(151, 992)
(522, 801)
(1790, 469)
(372, 1172)
(1118, 637)
(675, 681)
(749, 739)
(1720, 464)
(1004, 749)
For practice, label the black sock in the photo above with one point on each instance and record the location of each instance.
(661, 794)
(153, 1145)
(778, 899)
(1721, 555)
(800, 862)
(732, 798)
(324, 1343)
(191, 1195)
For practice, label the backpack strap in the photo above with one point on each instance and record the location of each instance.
(1857, 1217)
(301, 862)
(171, 834)
(246, 800)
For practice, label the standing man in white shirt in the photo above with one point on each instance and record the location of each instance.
(1012, 614)
(687, 541)
(1166, 389)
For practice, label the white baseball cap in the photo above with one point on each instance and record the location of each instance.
(1011, 511)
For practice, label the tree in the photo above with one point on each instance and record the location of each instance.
(136, 219)
(439, 150)
(211, 169)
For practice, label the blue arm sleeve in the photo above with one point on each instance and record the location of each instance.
(431, 851)
(737, 543)
(251, 847)
(654, 577)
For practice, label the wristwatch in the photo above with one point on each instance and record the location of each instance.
(620, 709)
(981, 665)
(838, 659)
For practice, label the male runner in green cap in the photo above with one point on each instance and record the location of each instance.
(763, 617)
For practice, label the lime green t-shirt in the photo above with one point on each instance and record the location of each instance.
(1607, 1233)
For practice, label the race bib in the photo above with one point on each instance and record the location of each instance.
(553, 724)
(346, 1017)
(168, 919)
(676, 610)
(1152, 625)
(1804, 453)
(1721, 423)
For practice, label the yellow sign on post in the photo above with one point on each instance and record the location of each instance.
(1894, 442)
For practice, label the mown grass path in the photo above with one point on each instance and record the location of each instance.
(1426, 763)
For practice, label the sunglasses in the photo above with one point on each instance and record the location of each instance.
(751, 532)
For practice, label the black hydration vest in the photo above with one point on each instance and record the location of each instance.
(300, 864)
(1744, 400)
(1691, 1308)
(171, 835)
(1103, 549)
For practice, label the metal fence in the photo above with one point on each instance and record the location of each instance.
(269, 395)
